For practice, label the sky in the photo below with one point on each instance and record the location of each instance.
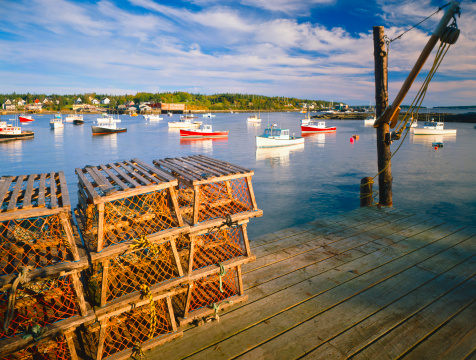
(309, 49)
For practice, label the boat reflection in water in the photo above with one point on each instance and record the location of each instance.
(202, 144)
(108, 141)
(277, 155)
(12, 148)
(430, 139)
(320, 138)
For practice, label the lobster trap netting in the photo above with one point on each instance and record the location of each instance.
(148, 266)
(208, 291)
(218, 246)
(37, 304)
(216, 199)
(48, 350)
(129, 218)
(132, 328)
(34, 242)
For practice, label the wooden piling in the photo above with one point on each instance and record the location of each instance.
(381, 102)
(366, 192)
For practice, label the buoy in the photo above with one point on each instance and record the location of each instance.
(352, 140)
(436, 147)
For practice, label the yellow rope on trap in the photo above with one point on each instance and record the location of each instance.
(143, 243)
(145, 291)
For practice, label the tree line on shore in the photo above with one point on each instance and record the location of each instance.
(225, 101)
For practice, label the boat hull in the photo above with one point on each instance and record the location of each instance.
(78, 122)
(56, 125)
(25, 119)
(23, 135)
(268, 142)
(202, 134)
(99, 130)
(307, 129)
(423, 131)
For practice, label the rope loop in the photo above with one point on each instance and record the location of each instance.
(145, 292)
(22, 278)
(221, 274)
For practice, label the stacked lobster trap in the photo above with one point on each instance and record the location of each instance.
(216, 199)
(130, 220)
(41, 259)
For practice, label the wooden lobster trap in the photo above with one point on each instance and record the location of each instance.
(116, 280)
(121, 201)
(132, 329)
(211, 189)
(62, 349)
(39, 304)
(35, 227)
(219, 244)
(209, 292)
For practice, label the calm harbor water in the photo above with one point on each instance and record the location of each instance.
(292, 185)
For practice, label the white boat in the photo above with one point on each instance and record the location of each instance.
(106, 118)
(370, 120)
(275, 137)
(432, 128)
(13, 132)
(153, 117)
(208, 115)
(204, 131)
(57, 122)
(184, 123)
(169, 114)
(72, 117)
(254, 119)
(306, 120)
(107, 128)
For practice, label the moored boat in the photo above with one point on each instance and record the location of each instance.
(152, 117)
(72, 117)
(26, 118)
(109, 128)
(10, 132)
(208, 115)
(204, 131)
(184, 123)
(254, 119)
(370, 120)
(432, 128)
(57, 122)
(320, 126)
(275, 137)
(106, 119)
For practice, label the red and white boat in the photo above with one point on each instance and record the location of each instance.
(204, 131)
(26, 118)
(314, 127)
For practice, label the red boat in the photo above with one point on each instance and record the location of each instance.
(205, 131)
(313, 127)
(26, 118)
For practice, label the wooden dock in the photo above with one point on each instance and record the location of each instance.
(368, 284)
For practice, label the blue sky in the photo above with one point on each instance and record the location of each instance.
(315, 49)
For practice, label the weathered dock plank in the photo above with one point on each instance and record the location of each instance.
(366, 283)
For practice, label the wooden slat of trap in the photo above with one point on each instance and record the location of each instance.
(42, 191)
(201, 167)
(124, 175)
(143, 173)
(15, 193)
(29, 192)
(226, 166)
(165, 176)
(114, 177)
(53, 199)
(135, 174)
(418, 238)
(171, 165)
(4, 186)
(64, 191)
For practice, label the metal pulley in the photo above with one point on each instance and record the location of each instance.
(450, 33)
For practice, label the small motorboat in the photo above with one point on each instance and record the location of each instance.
(79, 120)
(106, 119)
(275, 137)
(437, 144)
(72, 117)
(10, 132)
(314, 127)
(208, 115)
(370, 120)
(185, 123)
(57, 122)
(204, 131)
(109, 128)
(26, 118)
(152, 117)
(432, 128)
(254, 119)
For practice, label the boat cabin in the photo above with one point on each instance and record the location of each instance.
(206, 127)
(433, 125)
(276, 133)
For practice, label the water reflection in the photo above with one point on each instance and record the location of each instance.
(203, 145)
(429, 139)
(12, 148)
(107, 140)
(277, 155)
(319, 138)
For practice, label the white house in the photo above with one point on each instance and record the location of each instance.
(105, 101)
(7, 105)
(95, 101)
(78, 101)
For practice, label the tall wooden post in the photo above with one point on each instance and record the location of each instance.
(383, 130)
